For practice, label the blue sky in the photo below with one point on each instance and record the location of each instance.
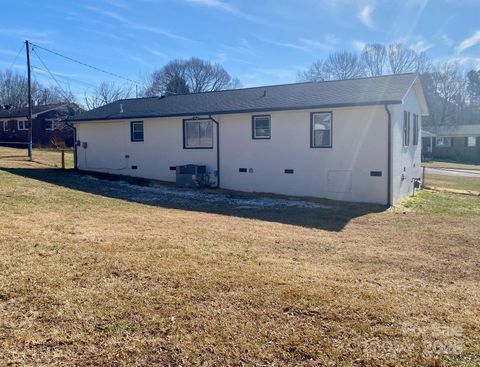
(260, 42)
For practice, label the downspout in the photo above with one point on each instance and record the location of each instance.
(218, 151)
(389, 165)
(74, 144)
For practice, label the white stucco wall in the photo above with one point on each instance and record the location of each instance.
(406, 161)
(109, 144)
(341, 172)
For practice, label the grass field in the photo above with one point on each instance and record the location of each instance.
(46, 157)
(453, 182)
(97, 272)
(442, 164)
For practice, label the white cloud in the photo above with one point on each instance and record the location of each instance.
(225, 7)
(416, 3)
(140, 61)
(266, 76)
(155, 52)
(468, 42)
(446, 39)
(331, 38)
(117, 3)
(467, 63)
(294, 46)
(8, 52)
(421, 46)
(358, 44)
(365, 15)
(36, 36)
(221, 57)
(315, 44)
(303, 44)
(134, 25)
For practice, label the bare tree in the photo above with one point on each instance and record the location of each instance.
(343, 65)
(473, 86)
(177, 85)
(374, 59)
(338, 66)
(199, 76)
(105, 93)
(451, 87)
(51, 95)
(402, 59)
(314, 73)
(13, 89)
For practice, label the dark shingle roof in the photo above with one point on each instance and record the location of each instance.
(354, 92)
(23, 112)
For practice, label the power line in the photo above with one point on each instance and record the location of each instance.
(65, 95)
(66, 77)
(16, 57)
(85, 64)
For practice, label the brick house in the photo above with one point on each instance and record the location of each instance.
(49, 125)
(455, 143)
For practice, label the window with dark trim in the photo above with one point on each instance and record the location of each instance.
(443, 142)
(23, 125)
(321, 124)
(49, 124)
(416, 130)
(471, 141)
(406, 128)
(261, 127)
(197, 134)
(136, 131)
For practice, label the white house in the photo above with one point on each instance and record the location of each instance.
(353, 140)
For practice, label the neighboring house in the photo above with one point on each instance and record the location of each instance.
(427, 144)
(353, 140)
(453, 142)
(49, 127)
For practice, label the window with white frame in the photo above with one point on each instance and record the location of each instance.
(49, 124)
(261, 127)
(443, 142)
(321, 130)
(5, 125)
(136, 131)
(415, 129)
(471, 141)
(406, 128)
(23, 125)
(197, 134)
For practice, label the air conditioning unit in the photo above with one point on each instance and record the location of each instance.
(191, 176)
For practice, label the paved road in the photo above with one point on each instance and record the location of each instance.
(453, 172)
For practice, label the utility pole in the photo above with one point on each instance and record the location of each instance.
(30, 128)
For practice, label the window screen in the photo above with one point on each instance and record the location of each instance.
(261, 127)
(198, 134)
(321, 130)
(415, 129)
(406, 128)
(137, 133)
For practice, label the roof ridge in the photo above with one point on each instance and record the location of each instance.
(271, 86)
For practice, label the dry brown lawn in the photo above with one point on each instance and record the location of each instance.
(453, 182)
(92, 276)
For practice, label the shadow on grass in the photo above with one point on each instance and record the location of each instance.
(320, 214)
